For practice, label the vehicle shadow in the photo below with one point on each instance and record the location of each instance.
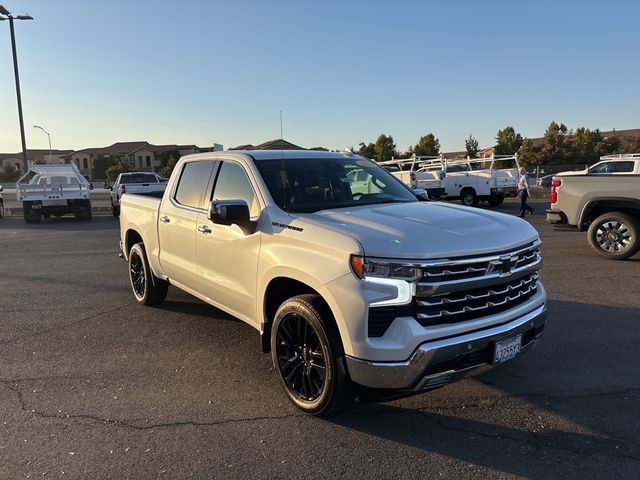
(60, 224)
(575, 395)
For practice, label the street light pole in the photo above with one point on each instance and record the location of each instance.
(5, 15)
(48, 135)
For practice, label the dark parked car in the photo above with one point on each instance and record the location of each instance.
(545, 181)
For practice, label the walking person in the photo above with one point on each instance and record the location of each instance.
(524, 192)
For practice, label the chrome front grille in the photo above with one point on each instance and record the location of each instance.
(460, 306)
(459, 290)
(460, 269)
(463, 289)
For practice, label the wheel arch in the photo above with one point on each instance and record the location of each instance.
(598, 206)
(279, 289)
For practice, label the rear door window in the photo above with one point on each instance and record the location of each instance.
(193, 183)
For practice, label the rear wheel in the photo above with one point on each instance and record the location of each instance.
(308, 356)
(83, 210)
(615, 235)
(469, 198)
(30, 215)
(495, 200)
(147, 288)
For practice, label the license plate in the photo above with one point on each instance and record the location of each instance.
(507, 349)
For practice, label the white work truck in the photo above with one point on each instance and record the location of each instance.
(56, 189)
(357, 291)
(470, 180)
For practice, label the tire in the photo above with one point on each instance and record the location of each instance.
(308, 356)
(1, 209)
(83, 211)
(147, 288)
(615, 235)
(30, 216)
(495, 200)
(115, 210)
(469, 198)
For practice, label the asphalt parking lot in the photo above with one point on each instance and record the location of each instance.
(94, 386)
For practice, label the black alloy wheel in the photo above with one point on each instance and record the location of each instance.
(138, 277)
(301, 359)
(147, 288)
(308, 356)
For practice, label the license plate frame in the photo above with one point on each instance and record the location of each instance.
(507, 349)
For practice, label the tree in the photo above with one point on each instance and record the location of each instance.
(99, 166)
(556, 146)
(120, 165)
(428, 145)
(471, 145)
(384, 148)
(527, 153)
(508, 141)
(9, 174)
(167, 169)
(368, 151)
(584, 143)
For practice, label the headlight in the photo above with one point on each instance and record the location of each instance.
(372, 267)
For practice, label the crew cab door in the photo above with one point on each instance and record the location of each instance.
(177, 222)
(227, 257)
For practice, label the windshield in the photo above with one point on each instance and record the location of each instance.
(309, 185)
(139, 178)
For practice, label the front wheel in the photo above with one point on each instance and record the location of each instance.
(308, 356)
(469, 198)
(1, 209)
(615, 235)
(147, 288)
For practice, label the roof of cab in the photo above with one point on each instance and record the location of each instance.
(274, 154)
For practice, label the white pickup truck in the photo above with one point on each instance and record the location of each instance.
(135, 182)
(355, 293)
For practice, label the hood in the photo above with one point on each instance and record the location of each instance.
(427, 230)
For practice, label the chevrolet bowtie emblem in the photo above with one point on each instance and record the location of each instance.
(504, 265)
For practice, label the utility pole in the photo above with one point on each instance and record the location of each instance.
(5, 15)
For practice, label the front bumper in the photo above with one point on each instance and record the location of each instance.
(437, 363)
(556, 217)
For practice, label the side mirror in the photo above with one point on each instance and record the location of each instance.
(421, 193)
(230, 212)
(1, 188)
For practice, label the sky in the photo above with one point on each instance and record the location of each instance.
(342, 72)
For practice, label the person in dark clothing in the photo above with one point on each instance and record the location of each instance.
(523, 192)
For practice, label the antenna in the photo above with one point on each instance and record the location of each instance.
(284, 178)
(281, 134)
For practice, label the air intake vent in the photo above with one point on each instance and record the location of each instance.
(380, 319)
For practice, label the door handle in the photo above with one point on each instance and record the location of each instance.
(164, 219)
(204, 229)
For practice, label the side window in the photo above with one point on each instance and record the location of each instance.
(602, 168)
(233, 184)
(623, 167)
(193, 181)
